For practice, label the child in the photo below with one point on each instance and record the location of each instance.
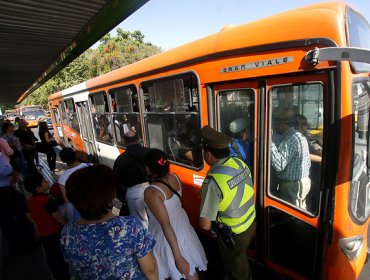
(49, 221)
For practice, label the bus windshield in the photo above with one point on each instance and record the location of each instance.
(358, 34)
(33, 113)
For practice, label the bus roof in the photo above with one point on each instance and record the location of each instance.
(324, 20)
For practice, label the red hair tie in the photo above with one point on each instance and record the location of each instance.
(162, 161)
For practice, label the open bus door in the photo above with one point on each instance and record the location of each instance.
(287, 239)
(234, 111)
(87, 134)
(58, 125)
(293, 243)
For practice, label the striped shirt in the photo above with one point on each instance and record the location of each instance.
(291, 158)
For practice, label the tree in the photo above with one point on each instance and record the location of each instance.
(112, 53)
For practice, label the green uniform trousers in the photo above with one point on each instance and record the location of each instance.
(236, 260)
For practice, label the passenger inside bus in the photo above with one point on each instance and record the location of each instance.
(315, 149)
(241, 145)
(237, 120)
(313, 143)
(305, 104)
(189, 149)
(103, 130)
(291, 161)
(123, 123)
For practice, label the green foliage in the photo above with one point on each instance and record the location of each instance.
(112, 53)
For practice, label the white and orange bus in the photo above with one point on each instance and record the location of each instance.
(309, 60)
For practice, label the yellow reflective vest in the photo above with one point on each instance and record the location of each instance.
(236, 209)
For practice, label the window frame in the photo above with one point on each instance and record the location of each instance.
(67, 114)
(270, 193)
(97, 114)
(132, 112)
(145, 97)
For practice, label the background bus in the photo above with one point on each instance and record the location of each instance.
(11, 114)
(251, 73)
(31, 113)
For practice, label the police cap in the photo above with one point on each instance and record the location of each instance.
(214, 139)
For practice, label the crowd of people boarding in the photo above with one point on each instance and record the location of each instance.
(69, 231)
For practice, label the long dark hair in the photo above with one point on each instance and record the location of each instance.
(157, 162)
(43, 127)
(5, 127)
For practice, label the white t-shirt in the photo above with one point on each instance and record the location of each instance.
(64, 177)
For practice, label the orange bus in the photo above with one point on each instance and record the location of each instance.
(313, 61)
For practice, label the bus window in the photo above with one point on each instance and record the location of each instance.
(70, 116)
(358, 35)
(172, 118)
(360, 190)
(125, 112)
(55, 116)
(236, 119)
(100, 116)
(296, 148)
(63, 112)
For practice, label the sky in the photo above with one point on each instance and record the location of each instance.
(171, 23)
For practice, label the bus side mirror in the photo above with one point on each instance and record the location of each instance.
(316, 55)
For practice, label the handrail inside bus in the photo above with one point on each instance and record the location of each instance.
(337, 54)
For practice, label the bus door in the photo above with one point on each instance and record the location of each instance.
(287, 235)
(235, 115)
(87, 134)
(291, 139)
(101, 120)
(58, 114)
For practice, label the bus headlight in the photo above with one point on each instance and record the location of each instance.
(352, 246)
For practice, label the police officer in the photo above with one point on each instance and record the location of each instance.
(228, 203)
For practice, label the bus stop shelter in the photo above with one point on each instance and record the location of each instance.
(38, 38)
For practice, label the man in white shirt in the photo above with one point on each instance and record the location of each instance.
(69, 157)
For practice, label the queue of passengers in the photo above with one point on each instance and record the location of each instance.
(156, 241)
(22, 147)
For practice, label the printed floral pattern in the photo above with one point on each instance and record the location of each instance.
(107, 250)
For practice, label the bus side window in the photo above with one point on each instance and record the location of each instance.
(70, 116)
(172, 106)
(296, 149)
(237, 120)
(125, 112)
(101, 118)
